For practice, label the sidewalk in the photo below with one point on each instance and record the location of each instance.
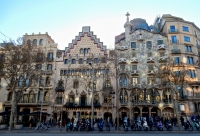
(112, 130)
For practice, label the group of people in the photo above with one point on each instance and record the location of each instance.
(193, 118)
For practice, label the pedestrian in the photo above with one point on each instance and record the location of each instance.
(30, 123)
(182, 120)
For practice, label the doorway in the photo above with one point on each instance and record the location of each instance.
(106, 115)
(124, 114)
(145, 112)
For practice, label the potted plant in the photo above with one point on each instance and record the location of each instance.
(19, 125)
(3, 125)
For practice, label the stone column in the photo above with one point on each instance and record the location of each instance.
(150, 111)
(140, 111)
(130, 113)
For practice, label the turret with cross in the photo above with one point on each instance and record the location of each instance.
(127, 14)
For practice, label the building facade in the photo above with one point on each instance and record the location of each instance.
(65, 87)
(141, 47)
(183, 39)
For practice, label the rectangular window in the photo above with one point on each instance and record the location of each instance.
(160, 42)
(172, 29)
(122, 67)
(80, 61)
(149, 44)
(150, 80)
(185, 28)
(173, 39)
(186, 39)
(190, 60)
(135, 80)
(197, 42)
(176, 60)
(195, 33)
(49, 67)
(188, 48)
(133, 45)
(66, 61)
(134, 67)
(73, 61)
(50, 56)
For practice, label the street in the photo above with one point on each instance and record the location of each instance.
(97, 134)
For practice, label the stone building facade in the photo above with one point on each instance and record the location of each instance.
(141, 47)
(66, 81)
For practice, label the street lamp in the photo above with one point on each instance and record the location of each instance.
(92, 103)
(112, 93)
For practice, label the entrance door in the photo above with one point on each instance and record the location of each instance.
(145, 112)
(107, 114)
(26, 117)
(124, 115)
(136, 112)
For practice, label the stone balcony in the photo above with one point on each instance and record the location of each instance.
(122, 48)
(134, 60)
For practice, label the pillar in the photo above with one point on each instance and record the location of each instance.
(150, 111)
(140, 111)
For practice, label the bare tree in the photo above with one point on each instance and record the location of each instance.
(19, 68)
(173, 77)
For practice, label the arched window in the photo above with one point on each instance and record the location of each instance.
(35, 42)
(85, 51)
(167, 98)
(31, 98)
(10, 96)
(20, 81)
(123, 96)
(81, 51)
(27, 82)
(81, 61)
(73, 61)
(120, 81)
(28, 42)
(123, 82)
(75, 85)
(41, 42)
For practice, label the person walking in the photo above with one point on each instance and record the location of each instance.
(30, 123)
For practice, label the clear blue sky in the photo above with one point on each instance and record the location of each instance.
(63, 19)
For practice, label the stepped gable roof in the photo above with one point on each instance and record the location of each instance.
(86, 30)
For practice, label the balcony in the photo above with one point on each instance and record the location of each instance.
(134, 72)
(150, 60)
(50, 59)
(162, 47)
(163, 59)
(174, 41)
(134, 60)
(173, 31)
(197, 97)
(122, 48)
(47, 72)
(175, 51)
(82, 105)
(60, 89)
(151, 72)
(122, 60)
(145, 102)
(123, 103)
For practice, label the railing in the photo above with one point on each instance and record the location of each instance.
(167, 101)
(193, 97)
(107, 104)
(82, 104)
(173, 30)
(175, 51)
(174, 41)
(146, 102)
(48, 72)
(50, 59)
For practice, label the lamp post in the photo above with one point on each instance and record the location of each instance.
(92, 103)
(61, 113)
(112, 93)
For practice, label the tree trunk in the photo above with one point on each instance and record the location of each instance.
(176, 112)
(13, 110)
